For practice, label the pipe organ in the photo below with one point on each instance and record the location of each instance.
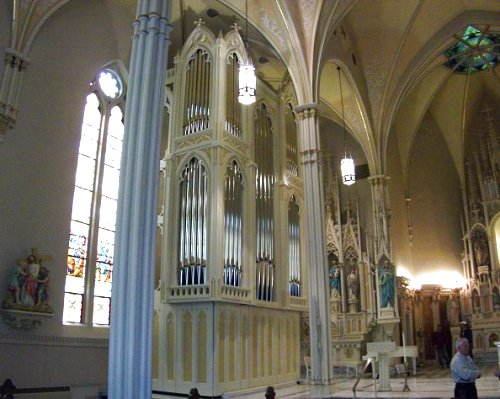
(264, 215)
(233, 213)
(291, 141)
(218, 309)
(198, 79)
(233, 107)
(294, 283)
(193, 224)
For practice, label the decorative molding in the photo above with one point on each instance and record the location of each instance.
(375, 81)
(308, 9)
(24, 320)
(193, 140)
(272, 27)
(236, 143)
(50, 340)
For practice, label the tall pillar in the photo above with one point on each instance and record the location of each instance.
(386, 273)
(319, 303)
(130, 346)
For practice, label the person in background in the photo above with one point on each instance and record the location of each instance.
(464, 371)
(466, 332)
(439, 341)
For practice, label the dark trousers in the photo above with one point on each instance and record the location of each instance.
(443, 358)
(465, 390)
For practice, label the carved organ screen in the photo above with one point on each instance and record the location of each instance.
(264, 216)
(193, 224)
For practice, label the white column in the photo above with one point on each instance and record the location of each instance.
(319, 303)
(15, 64)
(130, 343)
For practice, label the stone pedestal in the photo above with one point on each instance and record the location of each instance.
(384, 382)
(381, 351)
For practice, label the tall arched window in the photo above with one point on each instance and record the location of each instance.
(87, 297)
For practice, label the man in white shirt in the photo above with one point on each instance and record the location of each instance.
(464, 371)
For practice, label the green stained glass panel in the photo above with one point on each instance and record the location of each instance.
(475, 51)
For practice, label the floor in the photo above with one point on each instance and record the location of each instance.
(430, 382)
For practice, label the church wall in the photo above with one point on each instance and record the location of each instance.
(436, 203)
(399, 221)
(38, 163)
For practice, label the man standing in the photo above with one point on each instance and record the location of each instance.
(439, 340)
(464, 372)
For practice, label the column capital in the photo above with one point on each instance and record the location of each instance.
(378, 179)
(305, 111)
(10, 52)
(311, 156)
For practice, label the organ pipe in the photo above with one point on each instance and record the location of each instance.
(196, 109)
(294, 284)
(264, 205)
(233, 107)
(192, 224)
(233, 212)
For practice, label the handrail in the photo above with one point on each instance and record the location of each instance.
(359, 378)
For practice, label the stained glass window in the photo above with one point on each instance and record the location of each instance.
(92, 236)
(476, 50)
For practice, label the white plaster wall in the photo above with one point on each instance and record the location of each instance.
(37, 171)
(436, 203)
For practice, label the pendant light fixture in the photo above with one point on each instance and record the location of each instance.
(347, 163)
(246, 78)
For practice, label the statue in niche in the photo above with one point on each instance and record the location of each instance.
(28, 286)
(334, 275)
(453, 310)
(386, 281)
(353, 283)
(481, 250)
(496, 299)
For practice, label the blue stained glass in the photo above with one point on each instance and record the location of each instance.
(104, 264)
(475, 51)
(77, 249)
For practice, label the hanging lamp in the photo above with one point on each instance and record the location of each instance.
(347, 163)
(247, 82)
